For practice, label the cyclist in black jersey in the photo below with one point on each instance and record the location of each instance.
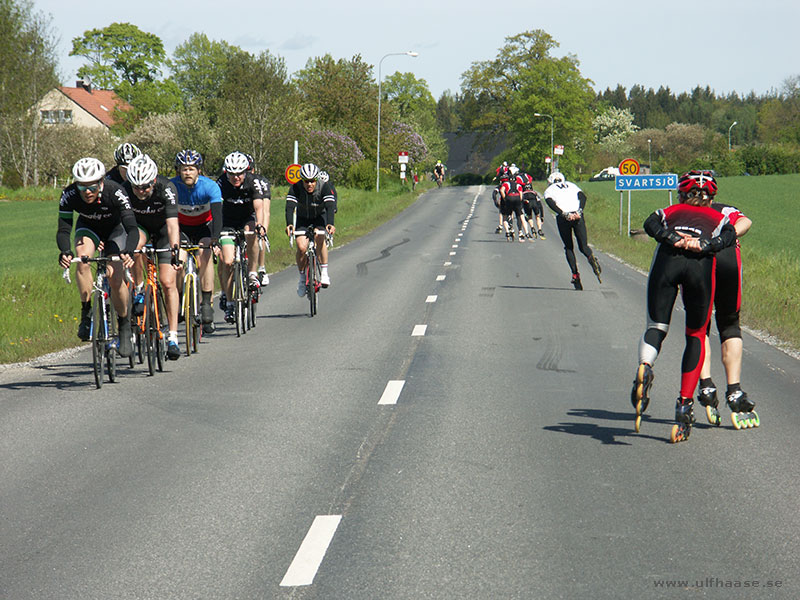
(438, 173)
(688, 236)
(310, 204)
(123, 155)
(242, 204)
(105, 219)
(262, 183)
(154, 200)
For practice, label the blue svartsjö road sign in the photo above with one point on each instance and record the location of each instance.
(665, 181)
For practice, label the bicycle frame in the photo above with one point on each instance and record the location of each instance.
(190, 305)
(149, 323)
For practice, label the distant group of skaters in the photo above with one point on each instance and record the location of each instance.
(132, 205)
(697, 254)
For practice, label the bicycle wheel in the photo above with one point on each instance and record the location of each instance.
(161, 342)
(149, 342)
(188, 314)
(312, 285)
(111, 351)
(98, 339)
(254, 296)
(248, 294)
(238, 299)
(132, 357)
(136, 325)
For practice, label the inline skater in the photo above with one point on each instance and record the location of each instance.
(104, 217)
(242, 209)
(310, 204)
(532, 206)
(727, 303)
(567, 200)
(200, 220)
(688, 235)
(123, 155)
(497, 199)
(154, 201)
(511, 193)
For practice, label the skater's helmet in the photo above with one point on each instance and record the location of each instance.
(555, 177)
(697, 180)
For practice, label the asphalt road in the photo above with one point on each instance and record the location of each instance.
(454, 423)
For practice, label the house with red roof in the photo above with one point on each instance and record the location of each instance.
(81, 105)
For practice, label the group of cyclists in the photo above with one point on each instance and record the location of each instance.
(132, 205)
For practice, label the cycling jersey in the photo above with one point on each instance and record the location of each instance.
(116, 176)
(310, 207)
(152, 213)
(199, 205)
(237, 202)
(728, 280)
(564, 197)
(262, 186)
(512, 187)
(100, 219)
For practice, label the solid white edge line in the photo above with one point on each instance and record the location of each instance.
(392, 391)
(430, 299)
(311, 552)
(419, 330)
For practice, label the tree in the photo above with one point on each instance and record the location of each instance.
(27, 52)
(613, 128)
(199, 68)
(117, 53)
(341, 95)
(525, 79)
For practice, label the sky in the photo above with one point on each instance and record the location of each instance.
(730, 45)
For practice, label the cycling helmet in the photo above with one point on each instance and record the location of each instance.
(189, 157)
(555, 177)
(701, 180)
(142, 170)
(125, 153)
(251, 162)
(235, 163)
(323, 176)
(309, 172)
(87, 170)
(513, 169)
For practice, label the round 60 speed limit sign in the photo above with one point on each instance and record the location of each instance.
(292, 174)
(629, 166)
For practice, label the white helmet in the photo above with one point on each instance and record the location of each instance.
(555, 177)
(125, 153)
(87, 170)
(513, 169)
(309, 172)
(236, 162)
(323, 176)
(142, 170)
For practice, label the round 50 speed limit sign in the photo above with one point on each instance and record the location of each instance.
(292, 174)
(629, 166)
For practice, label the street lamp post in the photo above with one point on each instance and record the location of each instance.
(729, 134)
(551, 137)
(649, 156)
(378, 166)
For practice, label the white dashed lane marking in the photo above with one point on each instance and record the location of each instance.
(419, 330)
(306, 562)
(431, 299)
(392, 391)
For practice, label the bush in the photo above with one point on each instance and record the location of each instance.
(332, 152)
(361, 175)
(468, 179)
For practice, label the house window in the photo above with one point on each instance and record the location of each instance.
(54, 117)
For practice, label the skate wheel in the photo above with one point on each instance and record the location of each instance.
(679, 433)
(713, 416)
(638, 423)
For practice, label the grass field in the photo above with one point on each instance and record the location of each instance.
(39, 312)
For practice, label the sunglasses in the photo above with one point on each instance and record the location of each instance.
(88, 188)
(309, 181)
(143, 188)
(242, 174)
(697, 194)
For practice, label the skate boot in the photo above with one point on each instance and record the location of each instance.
(684, 415)
(576, 281)
(640, 393)
(742, 414)
(707, 396)
(596, 268)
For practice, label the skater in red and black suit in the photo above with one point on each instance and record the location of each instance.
(689, 234)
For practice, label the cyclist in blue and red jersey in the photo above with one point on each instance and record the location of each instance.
(688, 235)
(200, 220)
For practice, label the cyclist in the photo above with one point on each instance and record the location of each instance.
(310, 204)
(511, 193)
(325, 178)
(567, 200)
(727, 303)
(241, 209)
(123, 155)
(438, 173)
(154, 201)
(104, 218)
(688, 235)
(262, 183)
(200, 220)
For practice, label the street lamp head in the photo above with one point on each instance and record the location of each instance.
(537, 114)
(734, 123)
(412, 53)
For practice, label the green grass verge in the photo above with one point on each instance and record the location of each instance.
(39, 312)
(770, 250)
